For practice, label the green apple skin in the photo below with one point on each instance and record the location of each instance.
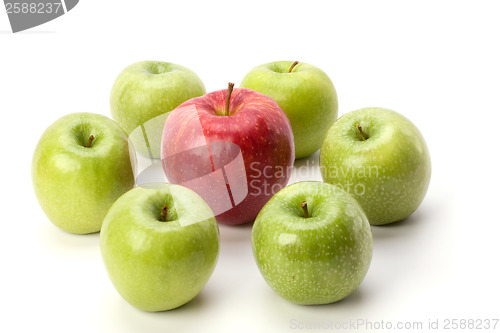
(155, 265)
(388, 173)
(74, 184)
(315, 260)
(307, 96)
(142, 96)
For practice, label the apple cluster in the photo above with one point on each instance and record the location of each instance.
(228, 156)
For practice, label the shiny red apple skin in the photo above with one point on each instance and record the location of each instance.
(236, 162)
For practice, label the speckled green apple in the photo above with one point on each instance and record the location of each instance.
(160, 244)
(312, 243)
(381, 158)
(144, 93)
(80, 166)
(305, 93)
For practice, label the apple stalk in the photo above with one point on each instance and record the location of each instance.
(230, 87)
(304, 208)
(293, 65)
(163, 214)
(89, 143)
(363, 135)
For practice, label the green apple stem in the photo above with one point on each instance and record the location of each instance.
(363, 135)
(230, 87)
(163, 214)
(304, 208)
(89, 143)
(293, 65)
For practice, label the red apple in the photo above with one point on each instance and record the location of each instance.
(233, 147)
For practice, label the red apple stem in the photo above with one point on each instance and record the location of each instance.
(293, 65)
(91, 138)
(363, 136)
(230, 87)
(163, 214)
(304, 208)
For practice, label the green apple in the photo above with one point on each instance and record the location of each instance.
(305, 93)
(144, 93)
(312, 243)
(160, 244)
(81, 165)
(381, 158)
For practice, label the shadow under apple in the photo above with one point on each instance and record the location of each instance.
(284, 314)
(407, 227)
(60, 241)
(131, 319)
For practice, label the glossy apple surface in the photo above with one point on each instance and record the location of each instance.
(159, 261)
(314, 257)
(235, 159)
(144, 93)
(76, 181)
(305, 93)
(384, 164)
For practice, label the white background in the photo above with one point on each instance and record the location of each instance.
(438, 63)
